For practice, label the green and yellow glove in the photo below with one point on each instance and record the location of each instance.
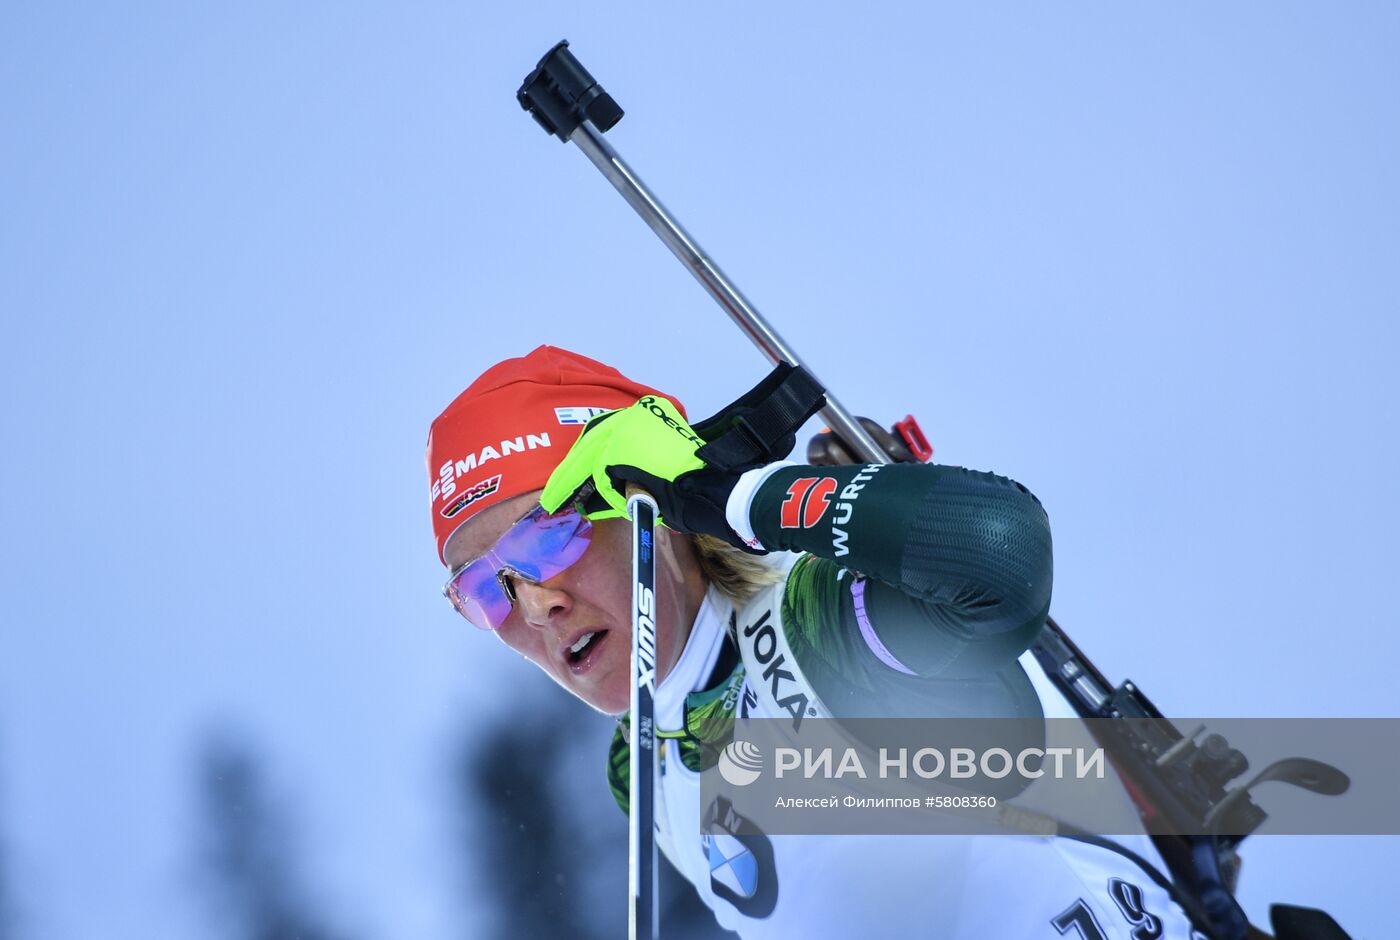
(651, 445)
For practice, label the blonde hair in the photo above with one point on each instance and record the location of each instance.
(737, 574)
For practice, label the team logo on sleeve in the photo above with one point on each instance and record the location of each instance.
(471, 494)
(807, 501)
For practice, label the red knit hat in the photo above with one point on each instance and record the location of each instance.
(507, 432)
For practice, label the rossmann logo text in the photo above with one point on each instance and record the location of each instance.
(446, 483)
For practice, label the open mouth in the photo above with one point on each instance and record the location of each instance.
(584, 652)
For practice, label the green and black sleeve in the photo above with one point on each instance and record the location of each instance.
(917, 572)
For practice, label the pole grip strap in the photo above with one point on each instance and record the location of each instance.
(761, 426)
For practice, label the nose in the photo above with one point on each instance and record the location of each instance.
(540, 603)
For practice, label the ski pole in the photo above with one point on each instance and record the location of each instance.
(563, 97)
(642, 914)
(567, 102)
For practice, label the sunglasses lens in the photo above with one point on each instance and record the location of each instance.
(541, 546)
(537, 548)
(477, 595)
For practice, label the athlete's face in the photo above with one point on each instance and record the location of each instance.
(594, 595)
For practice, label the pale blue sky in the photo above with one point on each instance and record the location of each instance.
(1144, 258)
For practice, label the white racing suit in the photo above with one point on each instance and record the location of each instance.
(958, 587)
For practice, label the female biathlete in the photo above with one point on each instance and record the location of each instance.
(899, 590)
